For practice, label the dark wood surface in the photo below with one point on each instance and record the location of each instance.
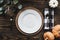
(8, 30)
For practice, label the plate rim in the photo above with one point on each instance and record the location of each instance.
(16, 21)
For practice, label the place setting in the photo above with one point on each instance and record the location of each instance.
(30, 20)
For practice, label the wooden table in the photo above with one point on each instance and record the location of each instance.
(8, 30)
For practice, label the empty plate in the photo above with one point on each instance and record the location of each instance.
(29, 21)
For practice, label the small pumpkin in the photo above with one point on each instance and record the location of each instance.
(48, 36)
(56, 31)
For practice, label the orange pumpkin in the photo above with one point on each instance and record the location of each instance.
(56, 31)
(48, 36)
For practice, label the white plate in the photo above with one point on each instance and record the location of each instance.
(29, 21)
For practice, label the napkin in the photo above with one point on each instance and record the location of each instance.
(48, 19)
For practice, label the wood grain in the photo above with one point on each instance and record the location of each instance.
(8, 30)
